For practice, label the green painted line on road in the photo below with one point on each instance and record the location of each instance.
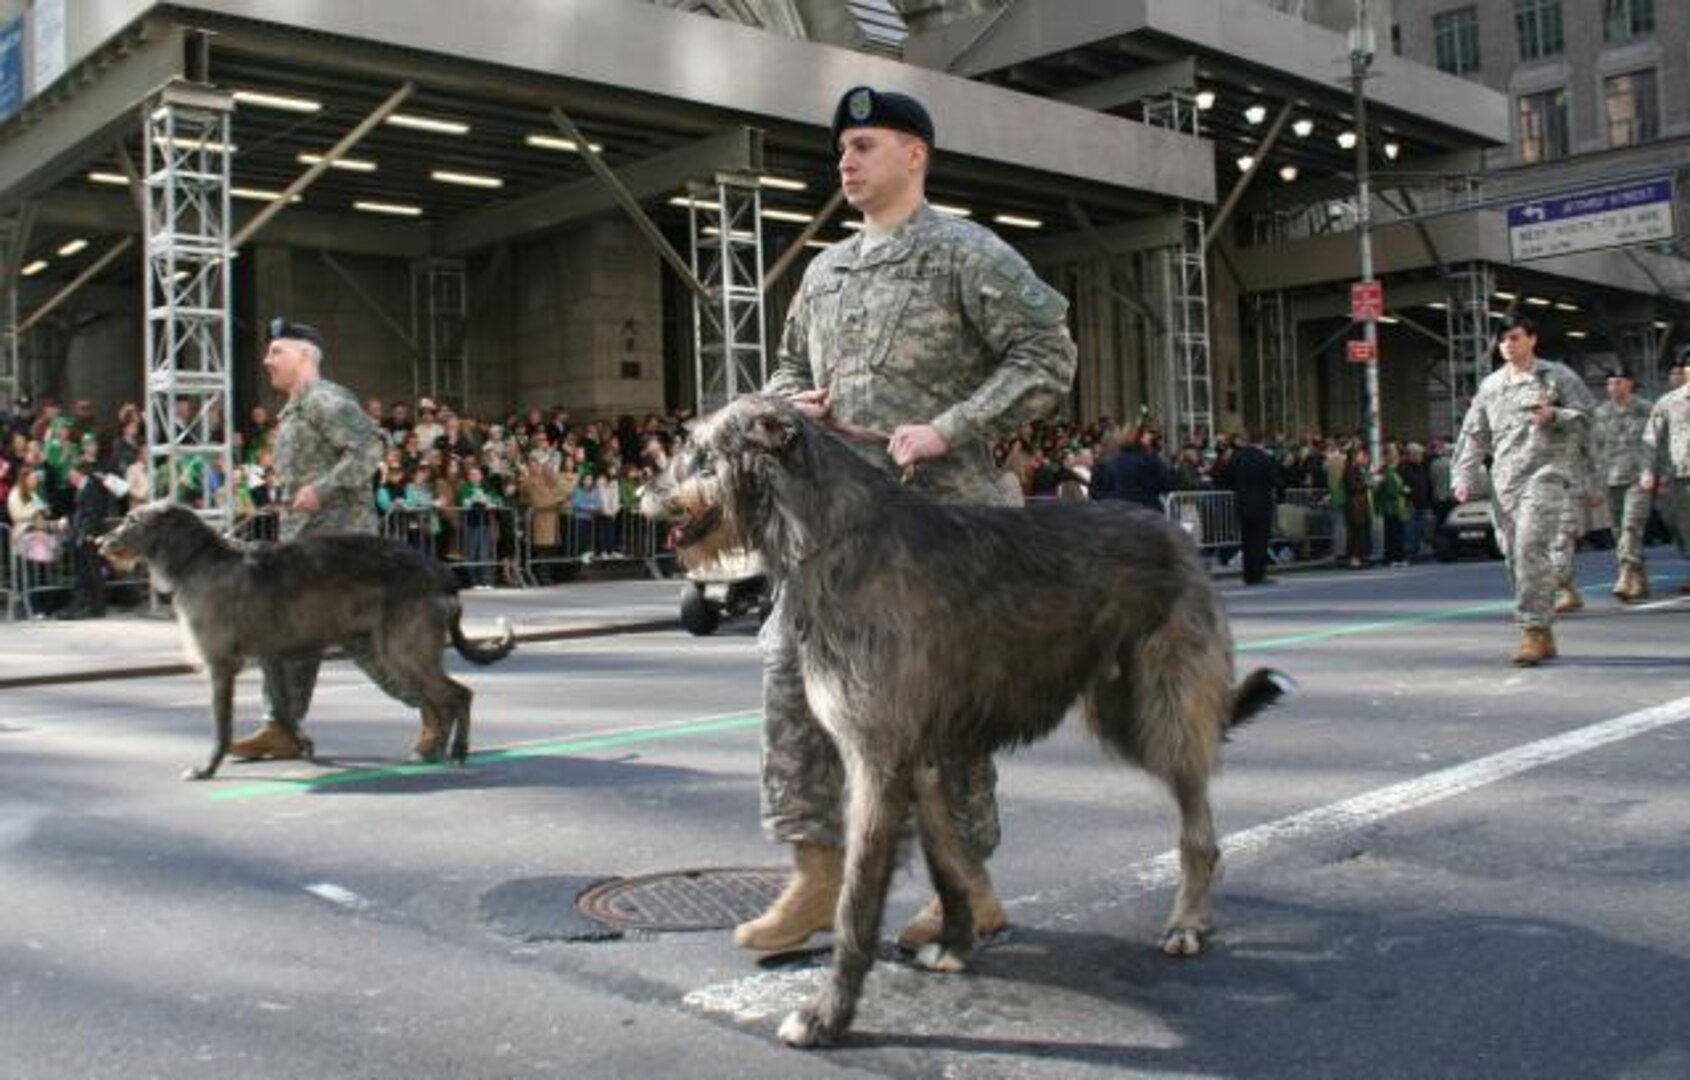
(608, 741)
(709, 725)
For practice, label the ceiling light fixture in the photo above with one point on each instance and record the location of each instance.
(796, 216)
(781, 183)
(260, 194)
(1205, 100)
(347, 163)
(701, 204)
(558, 142)
(1017, 221)
(1539, 301)
(429, 123)
(209, 146)
(1392, 149)
(1246, 163)
(1500, 295)
(280, 102)
(108, 178)
(71, 247)
(396, 209)
(462, 179)
(1347, 140)
(951, 211)
(1580, 334)
(1255, 114)
(1562, 305)
(1288, 173)
(1302, 128)
(34, 268)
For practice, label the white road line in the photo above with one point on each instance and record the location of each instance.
(774, 993)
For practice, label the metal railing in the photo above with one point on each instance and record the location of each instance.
(40, 561)
(1302, 526)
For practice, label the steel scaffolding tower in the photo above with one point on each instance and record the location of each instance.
(14, 237)
(1276, 364)
(729, 334)
(440, 314)
(1467, 321)
(189, 388)
(1186, 381)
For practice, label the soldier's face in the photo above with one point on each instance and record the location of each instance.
(1518, 347)
(878, 166)
(1619, 389)
(286, 362)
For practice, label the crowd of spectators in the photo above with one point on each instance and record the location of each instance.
(449, 478)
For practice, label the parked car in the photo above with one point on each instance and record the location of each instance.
(1467, 530)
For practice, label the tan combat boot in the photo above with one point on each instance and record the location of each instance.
(1568, 600)
(271, 742)
(929, 922)
(1633, 586)
(1537, 644)
(804, 907)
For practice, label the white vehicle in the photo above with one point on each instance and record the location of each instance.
(733, 587)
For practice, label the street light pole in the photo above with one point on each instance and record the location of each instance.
(1361, 58)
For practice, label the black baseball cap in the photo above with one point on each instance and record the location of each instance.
(864, 106)
(283, 327)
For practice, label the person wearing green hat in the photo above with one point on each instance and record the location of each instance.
(924, 338)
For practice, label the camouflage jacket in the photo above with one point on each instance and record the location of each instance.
(1499, 422)
(944, 324)
(325, 439)
(1666, 438)
(1617, 431)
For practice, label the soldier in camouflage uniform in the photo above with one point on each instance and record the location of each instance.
(1666, 453)
(1532, 415)
(1621, 459)
(923, 338)
(327, 451)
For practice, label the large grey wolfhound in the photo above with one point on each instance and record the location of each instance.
(928, 631)
(391, 608)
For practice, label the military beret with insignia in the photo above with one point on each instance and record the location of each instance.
(864, 106)
(283, 327)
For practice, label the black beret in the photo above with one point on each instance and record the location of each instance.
(864, 106)
(283, 327)
(1683, 356)
(1622, 373)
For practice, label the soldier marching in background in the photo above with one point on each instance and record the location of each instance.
(1666, 448)
(1622, 459)
(327, 451)
(1532, 416)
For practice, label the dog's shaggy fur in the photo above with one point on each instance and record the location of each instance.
(389, 607)
(928, 631)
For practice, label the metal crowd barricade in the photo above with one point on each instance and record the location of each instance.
(6, 588)
(1302, 526)
(40, 561)
(482, 544)
(1210, 518)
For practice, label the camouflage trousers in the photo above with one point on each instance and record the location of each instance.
(804, 779)
(1533, 528)
(1676, 513)
(1628, 504)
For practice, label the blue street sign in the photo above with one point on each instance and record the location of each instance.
(1637, 213)
(11, 67)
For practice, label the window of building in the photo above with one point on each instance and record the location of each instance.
(1632, 110)
(1537, 24)
(1543, 126)
(1623, 20)
(1456, 37)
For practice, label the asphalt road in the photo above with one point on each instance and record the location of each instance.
(1438, 866)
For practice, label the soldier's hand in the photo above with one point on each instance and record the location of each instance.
(1543, 415)
(1461, 492)
(913, 444)
(305, 500)
(813, 403)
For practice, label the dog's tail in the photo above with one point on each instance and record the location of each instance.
(486, 650)
(1260, 689)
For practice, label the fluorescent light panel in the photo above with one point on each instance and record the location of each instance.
(1500, 295)
(789, 215)
(558, 142)
(1347, 140)
(396, 209)
(428, 123)
(781, 183)
(34, 268)
(1564, 306)
(1018, 221)
(951, 211)
(118, 179)
(1302, 128)
(210, 146)
(279, 102)
(1205, 100)
(1288, 173)
(1577, 334)
(72, 247)
(1539, 301)
(1255, 114)
(349, 164)
(260, 194)
(462, 179)
(702, 204)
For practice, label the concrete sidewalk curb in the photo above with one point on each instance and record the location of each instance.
(150, 671)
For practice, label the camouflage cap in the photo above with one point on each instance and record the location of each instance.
(864, 106)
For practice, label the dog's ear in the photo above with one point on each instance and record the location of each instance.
(775, 430)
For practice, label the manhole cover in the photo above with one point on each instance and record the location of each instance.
(683, 899)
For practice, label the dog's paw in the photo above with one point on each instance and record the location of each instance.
(1182, 941)
(804, 1030)
(936, 958)
(198, 772)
